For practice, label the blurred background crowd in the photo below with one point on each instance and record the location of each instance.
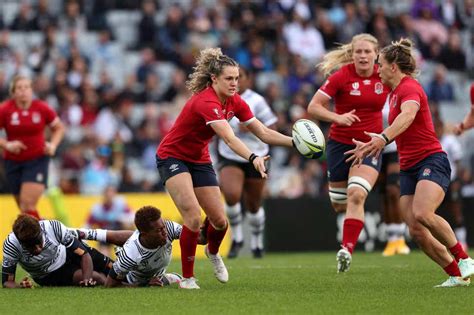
(114, 70)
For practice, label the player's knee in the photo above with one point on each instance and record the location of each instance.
(219, 222)
(423, 218)
(356, 196)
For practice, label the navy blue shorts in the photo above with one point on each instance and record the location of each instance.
(35, 171)
(248, 168)
(434, 168)
(338, 168)
(201, 174)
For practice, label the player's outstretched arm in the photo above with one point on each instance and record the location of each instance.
(268, 135)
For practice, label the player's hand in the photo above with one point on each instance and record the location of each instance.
(88, 283)
(259, 164)
(347, 119)
(26, 283)
(356, 155)
(15, 146)
(458, 129)
(49, 149)
(155, 282)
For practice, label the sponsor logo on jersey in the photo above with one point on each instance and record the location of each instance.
(366, 82)
(174, 167)
(355, 89)
(15, 119)
(217, 112)
(378, 88)
(426, 172)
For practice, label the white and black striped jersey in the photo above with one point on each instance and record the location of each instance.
(136, 264)
(262, 111)
(56, 238)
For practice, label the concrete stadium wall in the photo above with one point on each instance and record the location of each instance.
(78, 208)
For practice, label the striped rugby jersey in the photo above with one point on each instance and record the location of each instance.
(137, 264)
(56, 238)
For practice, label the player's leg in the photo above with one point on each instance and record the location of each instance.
(253, 196)
(34, 179)
(430, 245)
(210, 200)
(231, 180)
(361, 180)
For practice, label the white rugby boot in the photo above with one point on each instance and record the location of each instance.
(344, 259)
(188, 283)
(466, 266)
(220, 271)
(454, 282)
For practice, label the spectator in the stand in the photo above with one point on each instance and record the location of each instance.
(439, 89)
(73, 18)
(112, 213)
(42, 17)
(147, 65)
(172, 34)
(111, 123)
(147, 28)
(351, 25)
(98, 173)
(152, 91)
(303, 38)
(452, 55)
(253, 56)
(429, 29)
(23, 21)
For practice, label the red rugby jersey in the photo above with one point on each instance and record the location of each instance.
(191, 133)
(27, 126)
(351, 91)
(419, 140)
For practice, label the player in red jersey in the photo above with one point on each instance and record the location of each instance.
(359, 97)
(468, 121)
(424, 166)
(184, 163)
(26, 150)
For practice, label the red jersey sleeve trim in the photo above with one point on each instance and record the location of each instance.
(324, 93)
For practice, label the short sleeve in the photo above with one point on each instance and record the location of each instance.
(173, 229)
(62, 234)
(48, 113)
(412, 93)
(242, 110)
(11, 254)
(264, 113)
(210, 111)
(332, 84)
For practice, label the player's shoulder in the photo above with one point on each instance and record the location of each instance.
(9, 103)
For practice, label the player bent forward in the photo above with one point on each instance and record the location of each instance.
(51, 254)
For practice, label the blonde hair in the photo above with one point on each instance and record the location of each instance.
(401, 53)
(14, 82)
(211, 61)
(343, 54)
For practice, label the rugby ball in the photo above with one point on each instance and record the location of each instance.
(308, 138)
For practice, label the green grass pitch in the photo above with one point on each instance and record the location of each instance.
(304, 283)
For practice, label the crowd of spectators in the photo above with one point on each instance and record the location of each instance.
(115, 71)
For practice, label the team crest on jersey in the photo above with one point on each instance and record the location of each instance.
(378, 88)
(36, 118)
(230, 115)
(15, 119)
(355, 89)
(366, 82)
(426, 172)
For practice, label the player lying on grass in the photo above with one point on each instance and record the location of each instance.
(51, 254)
(146, 252)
